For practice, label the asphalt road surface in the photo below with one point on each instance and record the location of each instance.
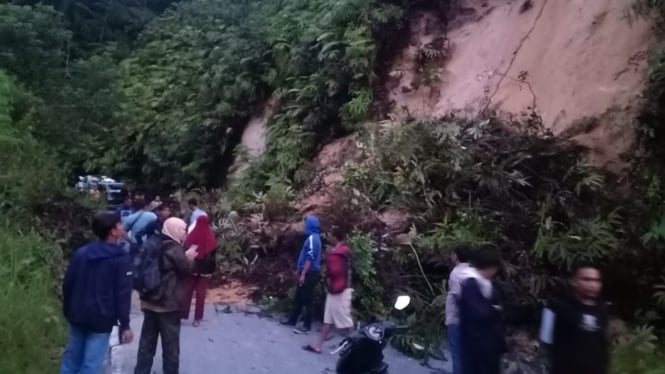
(238, 343)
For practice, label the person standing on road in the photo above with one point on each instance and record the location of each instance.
(580, 343)
(482, 340)
(308, 272)
(161, 311)
(460, 258)
(202, 241)
(338, 281)
(97, 293)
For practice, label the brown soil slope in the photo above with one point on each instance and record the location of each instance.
(572, 58)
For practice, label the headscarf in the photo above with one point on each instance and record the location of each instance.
(176, 229)
(201, 236)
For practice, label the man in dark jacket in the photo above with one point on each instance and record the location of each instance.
(580, 344)
(481, 327)
(308, 272)
(96, 297)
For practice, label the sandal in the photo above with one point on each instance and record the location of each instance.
(196, 323)
(309, 348)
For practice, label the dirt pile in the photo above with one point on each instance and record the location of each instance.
(570, 59)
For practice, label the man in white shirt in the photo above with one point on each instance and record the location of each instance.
(460, 259)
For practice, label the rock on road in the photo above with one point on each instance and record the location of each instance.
(248, 343)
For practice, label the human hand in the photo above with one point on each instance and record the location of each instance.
(190, 254)
(127, 336)
(301, 280)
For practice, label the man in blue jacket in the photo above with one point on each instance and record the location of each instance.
(96, 297)
(308, 272)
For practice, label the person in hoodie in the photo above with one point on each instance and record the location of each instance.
(338, 281)
(460, 260)
(97, 291)
(481, 328)
(308, 273)
(161, 311)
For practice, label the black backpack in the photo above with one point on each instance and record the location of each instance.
(147, 274)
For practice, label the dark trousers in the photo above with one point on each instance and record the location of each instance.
(200, 285)
(303, 300)
(167, 327)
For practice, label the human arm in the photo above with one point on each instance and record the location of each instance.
(181, 262)
(123, 291)
(473, 305)
(312, 249)
(192, 252)
(305, 269)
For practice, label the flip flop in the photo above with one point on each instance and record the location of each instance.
(309, 348)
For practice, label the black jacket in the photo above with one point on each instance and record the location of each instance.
(482, 340)
(580, 344)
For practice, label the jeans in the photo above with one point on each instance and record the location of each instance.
(85, 352)
(454, 346)
(303, 300)
(166, 326)
(200, 285)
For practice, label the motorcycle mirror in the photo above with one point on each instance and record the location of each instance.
(402, 302)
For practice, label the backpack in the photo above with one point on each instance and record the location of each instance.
(147, 272)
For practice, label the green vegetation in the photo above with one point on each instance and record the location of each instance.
(158, 93)
(31, 322)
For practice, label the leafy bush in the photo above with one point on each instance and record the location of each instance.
(19, 151)
(510, 184)
(637, 353)
(368, 293)
(30, 321)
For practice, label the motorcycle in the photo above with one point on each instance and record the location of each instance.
(362, 351)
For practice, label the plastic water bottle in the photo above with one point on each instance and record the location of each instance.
(548, 319)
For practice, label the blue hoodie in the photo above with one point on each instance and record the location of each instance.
(97, 289)
(311, 249)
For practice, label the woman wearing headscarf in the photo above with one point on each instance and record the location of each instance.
(161, 310)
(201, 241)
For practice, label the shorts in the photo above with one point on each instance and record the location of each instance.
(338, 309)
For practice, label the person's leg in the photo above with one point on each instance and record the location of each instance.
(96, 347)
(311, 280)
(188, 291)
(72, 358)
(453, 345)
(328, 322)
(325, 331)
(296, 309)
(201, 289)
(169, 327)
(147, 343)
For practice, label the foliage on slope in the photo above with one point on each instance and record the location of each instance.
(30, 322)
(68, 105)
(199, 71)
(527, 192)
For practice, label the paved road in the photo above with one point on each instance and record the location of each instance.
(238, 343)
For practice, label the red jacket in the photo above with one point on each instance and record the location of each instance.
(338, 268)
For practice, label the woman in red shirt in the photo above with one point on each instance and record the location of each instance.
(202, 241)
